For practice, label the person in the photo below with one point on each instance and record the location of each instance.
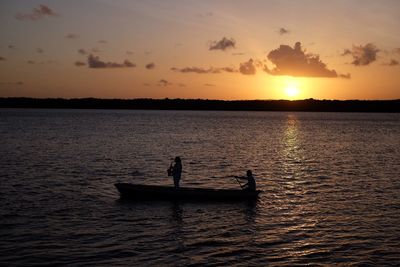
(251, 182)
(175, 171)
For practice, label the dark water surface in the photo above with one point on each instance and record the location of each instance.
(331, 188)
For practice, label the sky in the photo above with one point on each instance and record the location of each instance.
(253, 49)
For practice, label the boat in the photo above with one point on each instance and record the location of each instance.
(157, 192)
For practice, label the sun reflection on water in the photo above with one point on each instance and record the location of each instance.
(291, 152)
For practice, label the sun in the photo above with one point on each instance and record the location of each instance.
(292, 91)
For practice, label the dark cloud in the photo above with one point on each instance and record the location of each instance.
(95, 50)
(39, 50)
(3, 59)
(205, 14)
(11, 46)
(79, 63)
(71, 36)
(247, 68)
(209, 84)
(223, 44)
(164, 82)
(150, 66)
(238, 54)
(346, 52)
(196, 70)
(200, 70)
(37, 13)
(102, 42)
(362, 55)
(228, 69)
(294, 62)
(82, 51)
(397, 50)
(392, 62)
(345, 76)
(94, 62)
(11, 83)
(41, 62)
(283, 31)
(129, 52)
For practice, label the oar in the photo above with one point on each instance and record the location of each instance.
(230, 176)
(238, 182)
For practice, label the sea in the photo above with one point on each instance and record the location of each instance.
(330, 188)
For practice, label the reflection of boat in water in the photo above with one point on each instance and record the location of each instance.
(155, 192)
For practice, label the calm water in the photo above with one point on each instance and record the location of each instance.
(331, 188)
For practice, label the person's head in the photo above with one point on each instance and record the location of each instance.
(177, 159)
(249, 173)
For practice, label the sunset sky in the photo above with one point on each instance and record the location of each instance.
(270, 49)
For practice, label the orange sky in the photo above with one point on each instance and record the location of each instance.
(280, 49)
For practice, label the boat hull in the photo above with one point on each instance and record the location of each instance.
(154, 192)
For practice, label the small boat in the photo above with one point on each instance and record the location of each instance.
(156, 192)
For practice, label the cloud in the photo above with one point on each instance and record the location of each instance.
(294, 62)
(392, 62)
(37, 13)
(345, 76)
(129, 52)
(102, 42)
(11, 83)
(150, 66)
(283, 31)
(362, 55)
(238, 54)
(196, 70)
(163, 82)
(205, 14)
(247, 68)
(71, 36)
(209, 84)
(200, 70)
(82, 51)
(223, 44)
(3, 59)
(79, 63)
(11, 46)
(39, 50)
(41, 62)
(94, 62)
(95, 50)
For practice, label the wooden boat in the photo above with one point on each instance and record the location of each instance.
(155, 192)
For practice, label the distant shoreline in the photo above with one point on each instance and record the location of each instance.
(308, 105)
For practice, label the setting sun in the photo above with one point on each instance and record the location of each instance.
(291, 88)
(291, 91)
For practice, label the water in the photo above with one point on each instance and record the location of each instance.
(330, 180)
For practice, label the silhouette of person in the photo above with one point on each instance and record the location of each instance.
(251, 182)
(175, 171)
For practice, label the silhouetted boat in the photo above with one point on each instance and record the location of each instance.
(155, 192)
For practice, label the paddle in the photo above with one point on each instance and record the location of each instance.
(236, 178)
(230, 176)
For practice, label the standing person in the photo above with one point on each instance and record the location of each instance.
(176, 171)
(251, 182)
